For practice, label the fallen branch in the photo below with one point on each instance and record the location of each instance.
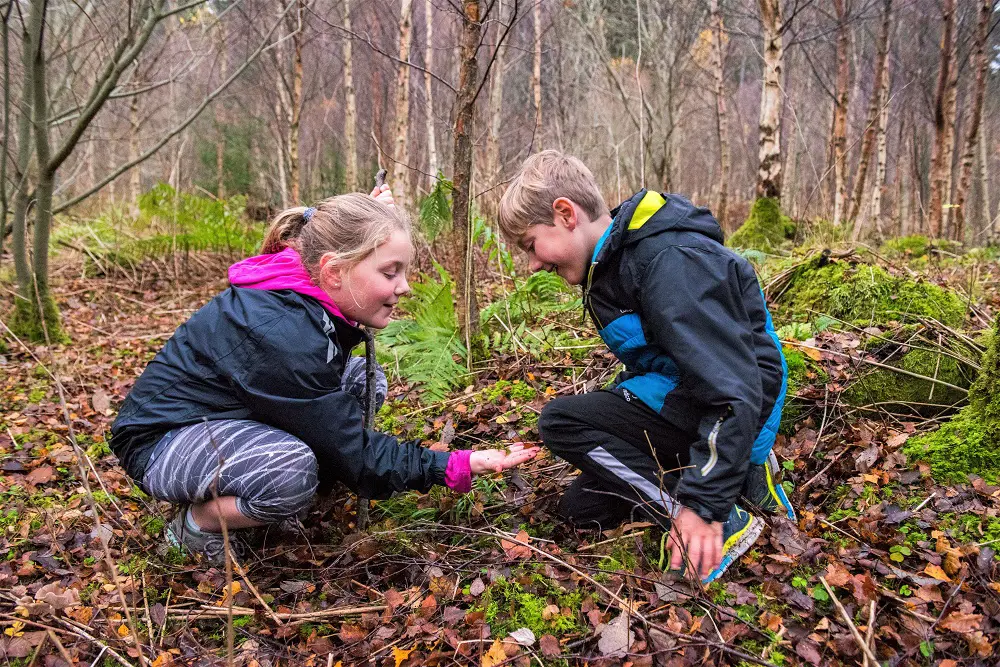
(850, 624)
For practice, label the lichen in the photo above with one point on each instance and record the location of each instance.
(967, 444)
(864, 294)
(764, 229)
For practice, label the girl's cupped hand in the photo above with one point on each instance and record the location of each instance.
(383, 195)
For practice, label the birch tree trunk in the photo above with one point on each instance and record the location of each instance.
(984, 181)
(220, 117)
(842, 99)
(878, 100)
(135, 177)
(467, 309)
(493, 168)
(536, 74)
(295, 111)
(400, 169)
(432, 156)
(975, 114)
(721, 119)
(882, 151)
(941, 159)
(951, 112)
(350, 106)
(769, 169)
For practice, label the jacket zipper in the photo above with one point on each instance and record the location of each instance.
(713, 451)
(586, 297)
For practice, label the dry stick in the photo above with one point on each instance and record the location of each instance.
(59, 645)
(38, 649)
(80, 632)
(870, 633)
(207, 611)
(256, 593)
(850, 624)
(230, 657)
(85, 479)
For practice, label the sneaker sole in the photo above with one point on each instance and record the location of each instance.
(778, 492)
(736, 546)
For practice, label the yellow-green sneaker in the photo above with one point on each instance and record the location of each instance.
(762, 488)
(739, 533)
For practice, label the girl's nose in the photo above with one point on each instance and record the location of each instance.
(403, 287)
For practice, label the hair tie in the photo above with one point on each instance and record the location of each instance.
(307, 216)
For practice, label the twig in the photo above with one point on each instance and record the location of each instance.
(926, 500)
(870, 633)
(59, 645)
(850, 624)
(256, 593)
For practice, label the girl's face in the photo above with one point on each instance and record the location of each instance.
(368, 291)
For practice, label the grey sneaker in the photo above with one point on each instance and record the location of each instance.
(762, 488)
(209, 546)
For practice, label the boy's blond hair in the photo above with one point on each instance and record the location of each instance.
(543, 178)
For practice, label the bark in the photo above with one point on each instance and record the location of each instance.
(135, 177)
(467, 309)
(769, 154)
(432, 156)
(295, 112)
(220, 118)
(878, 100)
(975, 114)
(941, 160)
(842, 99)
(402, 155)
(721, 118)
(536, 74)
(350, 107)
(493, 168)
(19, 230)
(984, 182)
(5, 40)
(878, 192)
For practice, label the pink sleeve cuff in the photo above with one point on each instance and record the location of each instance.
(458, 474)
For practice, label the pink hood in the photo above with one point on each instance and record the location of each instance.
(282, 270)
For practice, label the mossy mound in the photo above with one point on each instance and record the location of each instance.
(26, 321)
(864, 294)
(765, 229)
(968, 443)
(802, 371)
(892, 390)
(916, 246)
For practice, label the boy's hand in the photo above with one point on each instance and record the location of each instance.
(498, 460)
(702, 541)
(383, 195)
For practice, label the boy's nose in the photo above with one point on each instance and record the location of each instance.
(535, 264)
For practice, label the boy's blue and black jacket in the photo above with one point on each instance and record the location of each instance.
(687, 318)
(276, 357)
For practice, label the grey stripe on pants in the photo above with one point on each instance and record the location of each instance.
(272, 474)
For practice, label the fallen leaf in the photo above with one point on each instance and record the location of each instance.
(515, 550)
(616, 636)
(477, 587)
(393, 599)
(400, 654)
(427, 606)
(550, 646)
(808, 651)
(936, 572)
(837, 574)
(40, 475)
(495, 656)
(956, 621)
(524, 636)
(101, 401)
(979, 644)
(294, 586)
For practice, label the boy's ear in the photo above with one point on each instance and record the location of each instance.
(565, 213)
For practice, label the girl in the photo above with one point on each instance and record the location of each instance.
(254, 402)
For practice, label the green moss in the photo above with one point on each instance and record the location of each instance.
(967, 444)
(801, 371)
(864, 294)
(906, 246)
(26, 321)
(508, 606)
(889, 388)
(763, 230)
(516, 390)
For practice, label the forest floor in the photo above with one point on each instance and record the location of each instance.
(883, 558)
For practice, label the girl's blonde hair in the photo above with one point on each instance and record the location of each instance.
(351, 226)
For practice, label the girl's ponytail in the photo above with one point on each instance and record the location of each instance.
(284, 230)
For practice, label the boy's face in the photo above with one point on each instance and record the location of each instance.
(560, 248)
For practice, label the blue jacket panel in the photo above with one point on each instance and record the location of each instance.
(276, 357)
(687, 318)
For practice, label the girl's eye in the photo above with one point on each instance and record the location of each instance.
(390, 276)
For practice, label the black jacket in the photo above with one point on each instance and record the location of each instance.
(687, 318)
(275, 357)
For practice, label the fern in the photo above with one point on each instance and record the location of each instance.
(423, 349)
(435, 209)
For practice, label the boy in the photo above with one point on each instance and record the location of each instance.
(688, 426)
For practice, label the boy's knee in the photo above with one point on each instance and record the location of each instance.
(554, 422)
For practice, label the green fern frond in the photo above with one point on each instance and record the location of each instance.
(435, 209)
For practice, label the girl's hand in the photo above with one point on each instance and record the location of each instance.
(498, 460)
(701, 540)
(383, 195)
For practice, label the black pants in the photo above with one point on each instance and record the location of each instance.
(629, 457)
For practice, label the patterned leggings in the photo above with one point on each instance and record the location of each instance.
(271, 473)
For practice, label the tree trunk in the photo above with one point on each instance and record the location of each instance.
(400, 169)
(536, 75)
(493, 169)
(842, 99)
(941, 160)
(879, 97)
(5, 38)
(975, 114)
(878, 192)
(951, 111)
(467, 309)
(984, 182)
(220, 117)
(134, 150)
(19, 222)
(432, 156)
(350, 107)
(769, 169)
(295, 112)
(721, 119)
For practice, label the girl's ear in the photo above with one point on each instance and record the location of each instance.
(565, 213)
(331, 273)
